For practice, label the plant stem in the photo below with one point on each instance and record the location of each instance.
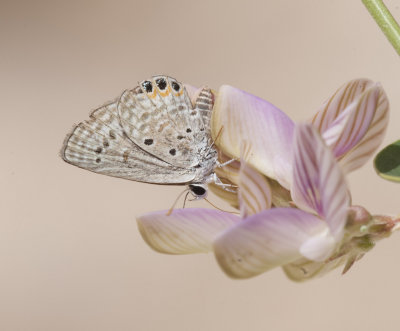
(385, 20)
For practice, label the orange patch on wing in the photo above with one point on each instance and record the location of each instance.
(167, 91)
(179, 93)
(153, 94)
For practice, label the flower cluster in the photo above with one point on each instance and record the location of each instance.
(295, 206)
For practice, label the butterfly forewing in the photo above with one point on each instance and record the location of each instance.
(101, 145)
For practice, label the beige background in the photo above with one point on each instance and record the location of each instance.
(71, 257)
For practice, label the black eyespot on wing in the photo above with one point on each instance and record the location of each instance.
(161, 83)
(188, 130)
(180, 137)
(98, 150)
(148, 86)
(148, 142)
(98, 160)
(172, 151)
(175, 86)
(197, 190)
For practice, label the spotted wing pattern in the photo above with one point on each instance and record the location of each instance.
(159, 117)
(101, 145)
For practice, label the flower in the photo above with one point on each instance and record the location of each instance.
(280, 236)
(352, 122)
(293, 198)
(306, 242)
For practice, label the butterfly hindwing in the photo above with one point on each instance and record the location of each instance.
(159, 117)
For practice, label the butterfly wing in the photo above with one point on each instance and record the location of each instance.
(203, 105)
(101, 145)
(159, 117)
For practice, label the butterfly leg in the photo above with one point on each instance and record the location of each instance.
(228, 187)
(220, 165)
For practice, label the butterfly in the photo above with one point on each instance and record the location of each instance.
(151, 133)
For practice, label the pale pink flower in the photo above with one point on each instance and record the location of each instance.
(283, 165)
(352, 122)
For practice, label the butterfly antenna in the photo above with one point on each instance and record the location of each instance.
(175, 202)
(226, 211)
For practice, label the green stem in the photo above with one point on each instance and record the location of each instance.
(385, 21)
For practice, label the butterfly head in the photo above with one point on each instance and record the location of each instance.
(199, 191)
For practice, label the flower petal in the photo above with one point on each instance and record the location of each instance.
(353, 122)
(254, 190)
(266, 240)
(360, 153)
(318, 181)
(228, 196)
(185, 231)
(245, 117)
(319, 247)
(371, 138)
(229, 171)
(304, 269)
(338, 102)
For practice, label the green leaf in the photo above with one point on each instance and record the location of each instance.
(387, 162)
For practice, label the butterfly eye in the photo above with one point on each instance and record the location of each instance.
(148, 86)
(175, 86)
(198, 190)
(161, 83)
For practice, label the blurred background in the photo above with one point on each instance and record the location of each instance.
(71, 256)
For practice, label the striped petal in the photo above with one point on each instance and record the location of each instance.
(229, 171)
(254, 190)
(353, 121)
(229, 197)
(245, 117)
(269, 239)
(338, 102)
(318, 181)
(368, 145)
(185, 231)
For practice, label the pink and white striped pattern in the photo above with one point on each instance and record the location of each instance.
(318, 182)
(279, 236)
(353, 121)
